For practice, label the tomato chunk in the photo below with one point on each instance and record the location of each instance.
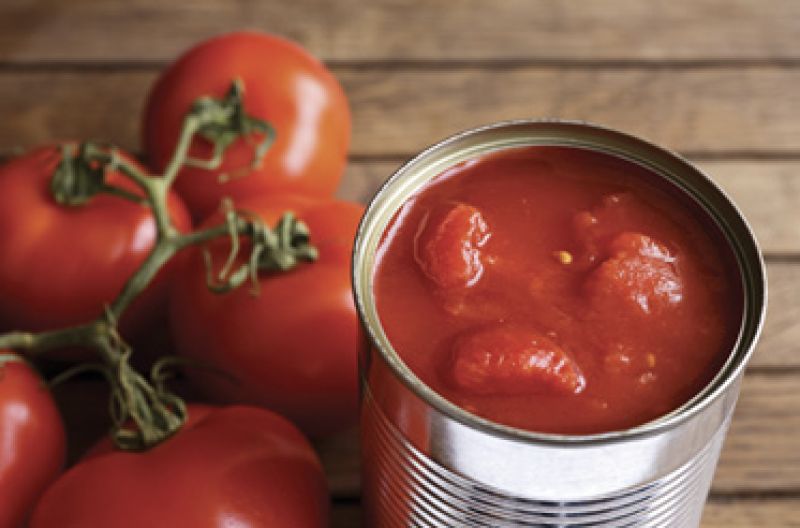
(448, 246)
(639, 278)
(507, 359)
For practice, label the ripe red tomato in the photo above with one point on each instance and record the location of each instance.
(512, 359)
(292, 347)
(448, 248)
(234, 466)
(61, 265)
(283, 85)
(32, 440)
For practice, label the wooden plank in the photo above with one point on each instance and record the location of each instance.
(719, 110)
(768, 193)
(717, 514)
(410, 29)
(778, 347)
(399, 111)
(761, 451)
(760, 454)
(772, 513)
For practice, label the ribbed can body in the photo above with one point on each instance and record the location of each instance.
(428, 463)
(403, 486)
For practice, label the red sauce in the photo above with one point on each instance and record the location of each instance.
(558, 290)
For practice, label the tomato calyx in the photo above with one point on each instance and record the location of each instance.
(271, 250)
(225, 121)
(79, 176)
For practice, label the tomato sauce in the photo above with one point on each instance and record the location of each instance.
(558, 290)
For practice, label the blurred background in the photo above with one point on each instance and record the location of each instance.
(716, 80)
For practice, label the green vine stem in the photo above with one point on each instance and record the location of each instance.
(144, 413)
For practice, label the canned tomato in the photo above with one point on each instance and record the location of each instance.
(557, 317)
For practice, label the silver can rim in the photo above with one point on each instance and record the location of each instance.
(728, 374)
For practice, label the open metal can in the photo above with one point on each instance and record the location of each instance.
(428, 463)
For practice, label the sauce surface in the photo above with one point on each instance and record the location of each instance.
(558, 290)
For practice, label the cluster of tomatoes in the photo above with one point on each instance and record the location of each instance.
(291, 348)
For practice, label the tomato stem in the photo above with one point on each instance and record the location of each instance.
(144, 413)
(190, 126)
(49, 340)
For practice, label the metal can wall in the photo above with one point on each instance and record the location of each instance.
(429, 463)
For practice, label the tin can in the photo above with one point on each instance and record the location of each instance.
(428, 463)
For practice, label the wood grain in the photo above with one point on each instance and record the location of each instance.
(398, 111)
(408, 29)
(760, 452)
(779, 347)
(717, 514)
(685, 109)
(768, 193)
(748, 513)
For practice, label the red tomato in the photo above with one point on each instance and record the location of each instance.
(640, 280)
(234, 466)
(449, 247)
(32, 440)
(283, 85)
(61, 265)
(292, 347)
(510, 359)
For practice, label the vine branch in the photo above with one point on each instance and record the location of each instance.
(143, 411)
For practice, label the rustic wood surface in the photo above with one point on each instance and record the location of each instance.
(397, 109)
(717, 80)
(392, 30)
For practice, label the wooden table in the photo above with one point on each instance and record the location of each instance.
(717, 80)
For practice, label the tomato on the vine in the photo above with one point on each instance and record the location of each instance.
(233, 466)
(283, 85)
(291, 346)
(62, 264)
(32, 439)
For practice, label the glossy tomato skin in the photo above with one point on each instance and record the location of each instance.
(283, 85)
(32, 441)
(61, 265)
(292, 347)
(234, 466)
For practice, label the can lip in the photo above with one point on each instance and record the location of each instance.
(728, 373)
